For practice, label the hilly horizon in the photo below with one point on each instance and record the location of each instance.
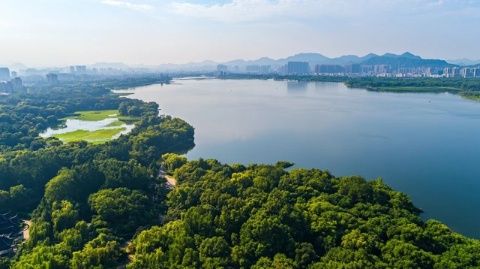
(406, 59)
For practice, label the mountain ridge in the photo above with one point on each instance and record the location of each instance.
(406, 59)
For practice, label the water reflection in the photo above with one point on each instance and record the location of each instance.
(297, 86)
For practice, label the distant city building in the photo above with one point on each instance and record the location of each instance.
(353, 69)
(52, 78)
(78, 69)
(452, 72)
(252, 68)
(469, 72)
(329, 69)
(258, 69)
(17, 83)
(298, 68)
(10, 86)
(4, 74)
(222, 68)
(282, 69)
(381, 69)
(81, 69)
(14, 74)
(6, 87)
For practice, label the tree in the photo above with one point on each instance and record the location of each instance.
(129, 174)
(214, 253)
(102, 252)
(43, 257)
(123, 209)
(172, 161)
(64, 215)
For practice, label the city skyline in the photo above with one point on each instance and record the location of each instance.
(157, 32)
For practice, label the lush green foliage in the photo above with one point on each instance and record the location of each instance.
(454, 85)
(261, 216)
(89, 198)
(104, 206)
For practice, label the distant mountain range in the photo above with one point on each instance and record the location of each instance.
(312, 58)
(465, 62)
(405, 60)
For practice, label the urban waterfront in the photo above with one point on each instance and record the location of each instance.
(422, 144)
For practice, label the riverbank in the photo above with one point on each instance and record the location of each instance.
(466, 87)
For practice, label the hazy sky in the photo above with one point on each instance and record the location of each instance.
(63, 32)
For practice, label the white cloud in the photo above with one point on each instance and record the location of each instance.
(254, 10)
(129, 5)
(237, 10)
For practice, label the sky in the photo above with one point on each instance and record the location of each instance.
(64, 32)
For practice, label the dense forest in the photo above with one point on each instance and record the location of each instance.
(262, 216)
(109, 205)
(44, 179)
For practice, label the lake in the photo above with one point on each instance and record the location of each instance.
(426, 145)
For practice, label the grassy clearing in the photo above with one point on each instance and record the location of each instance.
(95, 137)
(101, 135)
(95, 115)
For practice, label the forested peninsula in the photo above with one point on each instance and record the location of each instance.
(108, 205)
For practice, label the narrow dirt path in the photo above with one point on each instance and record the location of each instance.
(26, 230)
(170, 180)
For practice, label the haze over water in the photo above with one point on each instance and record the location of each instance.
(426, 145)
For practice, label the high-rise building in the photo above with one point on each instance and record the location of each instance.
(353, 68)
(17, 83)
(380, 69)
(298, 68)
(329, 69)
(468, 72)
(78, 69)
(52, 78)
(81, 69)
(10, 86)
(258, 69)
(4, 74)
(222, 68)
(451, 72)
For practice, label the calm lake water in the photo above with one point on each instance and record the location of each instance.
(426, 145)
